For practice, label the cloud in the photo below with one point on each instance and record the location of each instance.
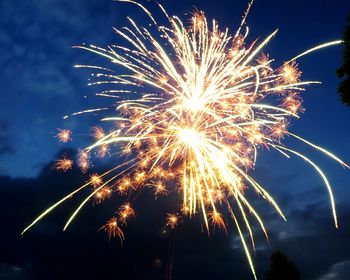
(84, 251)
(338, 271)
(5, 146)
(39, 84)
(14, 272)
(8, 272)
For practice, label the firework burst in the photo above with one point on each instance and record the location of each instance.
(64, 135)
(193, 106)
(64, 164)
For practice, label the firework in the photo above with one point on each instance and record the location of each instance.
(103, 194)
(125, 212)
(172, 220)
(189, 114)
(64, 135)
(113, 229)
(64, 164)
(98, 132)
(83, 161)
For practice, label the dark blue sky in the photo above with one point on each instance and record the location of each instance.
(39, 86)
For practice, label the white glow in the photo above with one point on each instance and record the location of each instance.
(189, 137)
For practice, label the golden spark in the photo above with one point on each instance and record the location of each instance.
(64, 135)
(113, 229)
(172, 220)
(63, 164)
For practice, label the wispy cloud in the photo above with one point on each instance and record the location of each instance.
(338, 271)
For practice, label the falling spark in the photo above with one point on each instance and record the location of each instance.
(95, 180)
(192, 109)
(103, 194)
(83, 161)
(217, 220)
(103, 151)
(159, 188)
(64, 135)
(172, 220)
(125, 212)
(63, 164)
(98, 132)
(113, 229)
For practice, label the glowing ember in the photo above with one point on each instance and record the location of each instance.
(113, 229)
(172, 220)
(63, 164)
(64, 135)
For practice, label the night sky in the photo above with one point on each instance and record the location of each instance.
(39, 86)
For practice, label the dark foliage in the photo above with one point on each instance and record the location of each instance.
(281, 268)
(344, 70)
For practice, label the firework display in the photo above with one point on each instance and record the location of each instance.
(190, 105)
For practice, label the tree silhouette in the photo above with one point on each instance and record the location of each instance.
(281, 268)
(344, 70)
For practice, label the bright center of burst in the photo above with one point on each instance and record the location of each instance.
(189, 137)
(194, 104)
